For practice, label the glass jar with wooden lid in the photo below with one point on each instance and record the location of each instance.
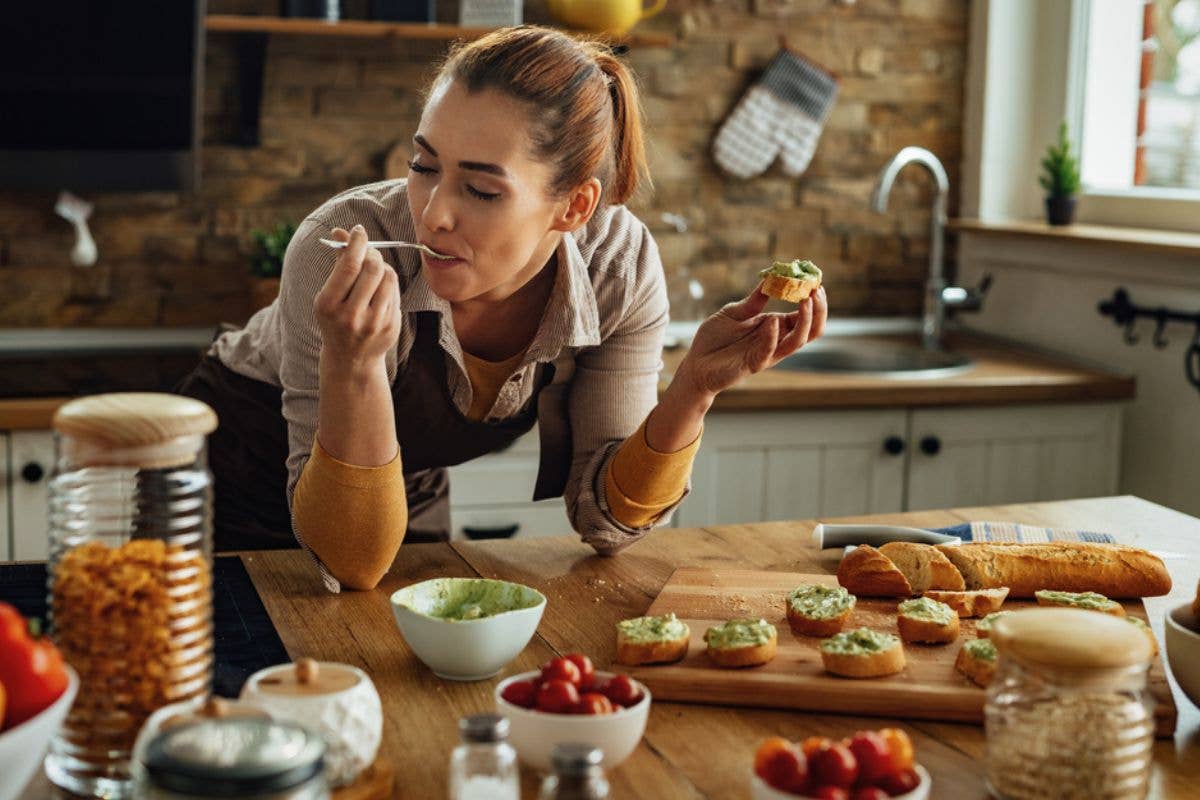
(1068, 714)
(129, 579)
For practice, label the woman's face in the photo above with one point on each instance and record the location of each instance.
(477, 194)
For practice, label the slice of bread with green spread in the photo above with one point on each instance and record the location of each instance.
(651, 640)
(815, 610)
(977, 660)
(925, 620)
(741, 643)
(862, 653)
(1089, 601)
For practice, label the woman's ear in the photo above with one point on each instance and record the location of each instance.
(581, 204)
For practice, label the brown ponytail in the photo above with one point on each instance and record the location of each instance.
(586, 116)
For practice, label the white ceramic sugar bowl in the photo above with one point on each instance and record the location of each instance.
(337, 700)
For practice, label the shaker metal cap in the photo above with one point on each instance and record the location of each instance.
(576, 759)
(1071, 638)
(233, 757)
(483, 728)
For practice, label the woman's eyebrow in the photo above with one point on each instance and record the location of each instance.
(478, 166)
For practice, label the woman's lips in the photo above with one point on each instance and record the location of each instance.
(440, 263)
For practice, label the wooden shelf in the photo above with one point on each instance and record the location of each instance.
(1174, 242)
(241, 23)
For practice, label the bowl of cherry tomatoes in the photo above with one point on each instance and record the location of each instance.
(870, 765)
(567, 700)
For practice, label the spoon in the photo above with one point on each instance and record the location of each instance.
(435, 254)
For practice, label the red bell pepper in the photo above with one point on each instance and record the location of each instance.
(31, 668)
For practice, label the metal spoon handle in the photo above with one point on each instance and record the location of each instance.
(377, 245)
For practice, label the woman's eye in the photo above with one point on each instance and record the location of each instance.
(420, 169)
(482, 195)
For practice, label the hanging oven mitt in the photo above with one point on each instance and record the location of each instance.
(782, 114)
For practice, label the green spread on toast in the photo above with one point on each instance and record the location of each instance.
(653, 629)
(927, 610)
(820, 602)
(1088, 600)
(987, 622)
(792, 269)
(859, 642)
(981, 649)
(739, 633)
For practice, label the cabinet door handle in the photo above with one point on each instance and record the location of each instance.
(931, 445)
(32, 472)
(893, 445)
(496, 532)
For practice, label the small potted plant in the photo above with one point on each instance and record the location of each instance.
(1060, 179)
(266, 264)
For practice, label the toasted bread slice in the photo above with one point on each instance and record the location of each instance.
(742, 643)
(815, 610)
(975, 603)
(1088, 601)
(983, 628)
(977, 660)
(862, 653)
(925, 620)
(924, 565)
(866, 571)
(1140, 623)
(651, 640)
(790, 290)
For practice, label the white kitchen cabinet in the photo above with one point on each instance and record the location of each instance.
(31, 456)
(5, 469)
(755, 466)
(1012, 454)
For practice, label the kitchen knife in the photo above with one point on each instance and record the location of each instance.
(845, 535)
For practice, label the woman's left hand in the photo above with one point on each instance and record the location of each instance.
(740, 340)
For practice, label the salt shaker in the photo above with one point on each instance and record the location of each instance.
(577, 774)
(484, 766)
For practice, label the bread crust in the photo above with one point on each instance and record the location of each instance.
(1113, 570)
(732, 657)
(974, 603)
(924, 566)
(979, 671)
(667, 651)
(870, 665)
(925, 630)
(811, 626)
(866, 571)
(790, 290)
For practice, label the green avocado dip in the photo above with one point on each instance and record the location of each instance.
(739, 633)
(982, 649)
(653, 629)
(820, 602)
(792, 269)
(987, 622)
(859, 642)
(927, 610)
(1088, 600)
(466, 599)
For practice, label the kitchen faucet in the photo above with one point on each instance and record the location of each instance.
(938, 296)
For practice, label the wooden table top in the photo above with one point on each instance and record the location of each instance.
(689, 751)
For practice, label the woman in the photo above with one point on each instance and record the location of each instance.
(369, 377)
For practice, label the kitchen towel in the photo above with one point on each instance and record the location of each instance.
(781, 115)
(1016, 532)
(244, 638)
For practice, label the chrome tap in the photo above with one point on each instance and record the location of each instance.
(938, 296)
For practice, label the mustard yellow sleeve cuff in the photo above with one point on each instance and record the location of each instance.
(334, 471)
(641, 482)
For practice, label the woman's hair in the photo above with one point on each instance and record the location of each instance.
(586, 116)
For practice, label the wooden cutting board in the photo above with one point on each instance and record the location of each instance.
(928, 688)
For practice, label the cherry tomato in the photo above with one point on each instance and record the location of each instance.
(560, 669)
(557, 697)
(814, 743)
(587, 672)
(901, 782)
(900, 747)
(521, 693)
(869, 793)
(622, 691)
(874, 758)
(594, 703)
(830, 792)
(834, 764)
(782, 765)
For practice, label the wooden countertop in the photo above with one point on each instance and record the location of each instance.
(688, 750)
(1002, 374)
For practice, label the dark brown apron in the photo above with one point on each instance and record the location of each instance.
(247, 453)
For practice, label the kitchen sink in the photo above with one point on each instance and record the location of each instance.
(876, 357)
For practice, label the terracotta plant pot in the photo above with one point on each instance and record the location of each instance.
(263, 292)
(1060, 210)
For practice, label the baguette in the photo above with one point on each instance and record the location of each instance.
(925, 620)
(924, 566)
(814, 610)
(651, 640)
(1113, 570)
(976, 603)
(866, 571)
(862, 653)
(977, 660)
(1088, 601)
(791, 281)
(742, 643)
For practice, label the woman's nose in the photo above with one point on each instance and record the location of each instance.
(438, 214)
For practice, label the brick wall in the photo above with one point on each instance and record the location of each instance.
(333, 107)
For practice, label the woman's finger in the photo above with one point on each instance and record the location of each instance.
(765, 342)
(820, 314)
(349, 263)
(800, 332)
(369, 278)
(748, 307)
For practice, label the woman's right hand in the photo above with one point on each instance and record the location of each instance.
(358, 308)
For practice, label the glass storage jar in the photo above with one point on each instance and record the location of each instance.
(129, 578)
(1068, 714)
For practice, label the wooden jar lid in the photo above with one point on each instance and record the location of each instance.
(1071, 638)
(146, 429)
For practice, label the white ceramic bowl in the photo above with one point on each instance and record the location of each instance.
(764, 791)
(466, 650)
(22, 747)
(534, 734)
(1183, 649)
